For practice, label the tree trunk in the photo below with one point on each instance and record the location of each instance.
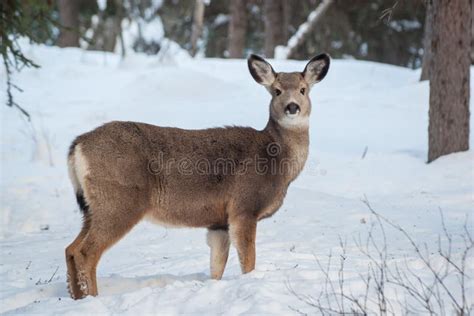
(108, 27)
(449, 78)
(427, 38)
(198, 21)
(472, 33)
(120, 13)
(286, 21)
(105, 34)
(69, 20)
(237, 28)
(277, 14)
(273, 26)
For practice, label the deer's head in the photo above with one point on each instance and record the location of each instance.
(290, 105)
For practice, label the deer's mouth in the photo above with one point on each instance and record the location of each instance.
(292, 109)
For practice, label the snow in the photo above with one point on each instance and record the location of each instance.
(102, 4)
(150, 31)
(221, 19)
(360, 107)
(405, 25)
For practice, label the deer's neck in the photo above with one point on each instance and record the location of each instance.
(294, 144)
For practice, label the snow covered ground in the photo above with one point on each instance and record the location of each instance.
(360, 107)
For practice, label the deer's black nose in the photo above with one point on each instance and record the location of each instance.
(292, 108)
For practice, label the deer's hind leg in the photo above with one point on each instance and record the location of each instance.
(72, 280)
(112, 214)
(218, 241)
(100, 237)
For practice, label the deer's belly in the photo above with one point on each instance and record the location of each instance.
(189, 213)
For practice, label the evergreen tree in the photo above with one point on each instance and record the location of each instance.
(30, 19)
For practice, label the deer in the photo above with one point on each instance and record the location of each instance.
(223, 179)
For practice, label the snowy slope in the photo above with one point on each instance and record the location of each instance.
(360, 106)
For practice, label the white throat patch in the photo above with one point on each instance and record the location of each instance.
(294, 121)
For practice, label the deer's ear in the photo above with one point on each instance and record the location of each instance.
(316, 69)
(260, 70)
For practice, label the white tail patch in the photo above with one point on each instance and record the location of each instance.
(81, 167)
(72, 172)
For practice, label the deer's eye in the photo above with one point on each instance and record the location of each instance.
(277, 91)
(302, 91)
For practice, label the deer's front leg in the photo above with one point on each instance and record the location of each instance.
(218, 241)
(242, 233)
